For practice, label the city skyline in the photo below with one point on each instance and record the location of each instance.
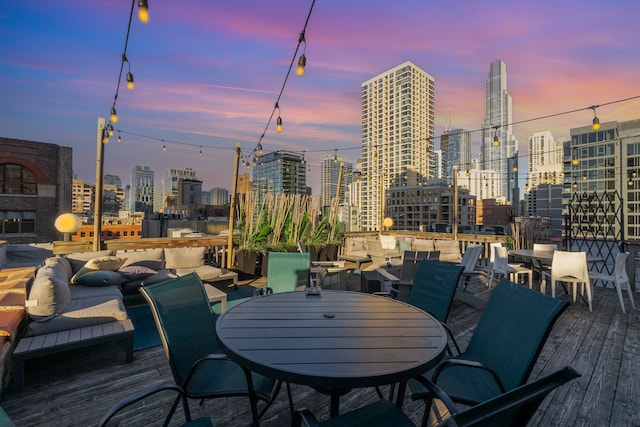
(207, 75)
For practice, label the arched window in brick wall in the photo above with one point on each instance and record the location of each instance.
(17, 179)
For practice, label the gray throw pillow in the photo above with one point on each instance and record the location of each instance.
(49, 295)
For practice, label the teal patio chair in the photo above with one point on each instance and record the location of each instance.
(512, 408)
(503, 349)
(187, 327)
(287, 271)
(115, 411)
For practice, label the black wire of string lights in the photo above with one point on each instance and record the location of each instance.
(143, 15)
(302, 62)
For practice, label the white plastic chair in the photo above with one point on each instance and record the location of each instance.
(569, 267)
(538, 265)
(618, 278)
(502, 268)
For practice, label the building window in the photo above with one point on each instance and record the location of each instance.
(17, 222)
(16, 179)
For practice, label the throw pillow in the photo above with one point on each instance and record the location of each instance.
(111, 263)
(79, 259)
(184, 257)
(135, 272)
(50, 294)
(100, 278)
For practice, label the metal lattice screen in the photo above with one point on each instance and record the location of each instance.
(595, 224)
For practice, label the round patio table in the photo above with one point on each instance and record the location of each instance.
(334, 341)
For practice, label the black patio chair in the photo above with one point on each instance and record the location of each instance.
(503, 349)
(512, 408)
(187, 327)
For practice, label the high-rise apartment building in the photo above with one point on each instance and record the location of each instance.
(604, 165)
(218, 196)
(280, 172)
(397, 136)
(171, 179)
(456, 150)
(499, 148)
(141, 192)
(332, 166)
(545, 167)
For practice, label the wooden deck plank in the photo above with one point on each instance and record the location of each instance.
(79, 387)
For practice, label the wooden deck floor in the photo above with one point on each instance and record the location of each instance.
(604, 346)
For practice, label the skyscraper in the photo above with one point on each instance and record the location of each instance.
(498, 149)
(545, 160)
(397, 136)
(280, 172)
(141, 193)
(456, 149)
(331, 165)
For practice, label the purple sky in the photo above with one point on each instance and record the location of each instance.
(208, 73)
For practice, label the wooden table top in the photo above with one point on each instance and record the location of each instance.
(335, 341)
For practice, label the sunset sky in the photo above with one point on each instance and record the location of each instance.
(207, 73)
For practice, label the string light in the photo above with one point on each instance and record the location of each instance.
(596, 121)
(496, 142)
(114, 115)
(129, 80)
(302, 61)
(143, 11)
(110, 129)
(200, 152)
(164, 147)
(119, 138)
(335, 156)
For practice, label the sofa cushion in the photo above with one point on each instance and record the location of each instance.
(449, 250)
(150, 258)
(184, 257)
(91, 292)
(388, 242)
(132, 286)
(205, 272)
(100, 278)
(81, 313)
(426, 245)
(79, 259)
(111, 263)
(135, 272)
(49, 295)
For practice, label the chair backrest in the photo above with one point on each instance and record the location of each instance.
(570, 265)
(492, 251)
(184, 319)
(434, 286)
(548, 247)
(500, 260)
(470, 257)
(620, 268)
(512, 330)
(515, 407)
(288, 270)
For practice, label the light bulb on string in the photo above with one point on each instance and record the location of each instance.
(596, 120)
(129, 80)
(143, 11)
(119, 138)
(164, 147)
(114, 115)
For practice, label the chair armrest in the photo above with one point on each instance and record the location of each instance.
(202, 360)
(304, 415)
(143, 395)
(384, 273)
(467, 363)
(439, 394)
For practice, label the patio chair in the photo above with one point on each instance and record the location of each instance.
(115, 410)
(619, 278)
(503, 349)
(401, 286)
(287, 271)
(569, 267)
(538, 266)
(512, 408)
(187, 328)
(502, 268)
(469, 262)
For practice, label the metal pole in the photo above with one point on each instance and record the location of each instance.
(232, 208)
(97, 204)
(455, 202)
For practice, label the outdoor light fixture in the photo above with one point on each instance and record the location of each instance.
(575, 184)
(164, 147)
(114, 115)
(279, 125)
(575, 161)
(110, 129)
(200, 152)
(68, 224)
(119, 138)
(129, 80)
(302, 161)
(526, 186)
(143, 11)
(335, 156)
(596, 121)
(302, 62)
(260, 151)
(496, 141)
(467, 173)
(515, 168)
